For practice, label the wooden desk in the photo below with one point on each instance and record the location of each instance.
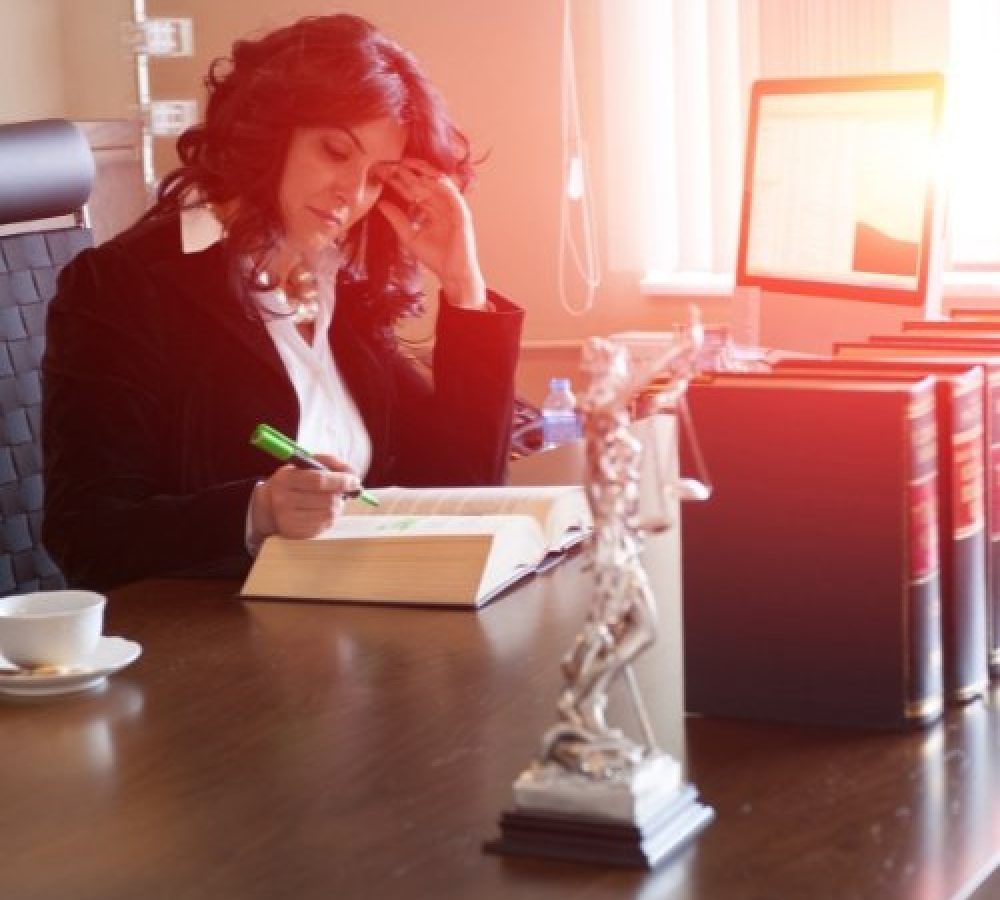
(297, 751)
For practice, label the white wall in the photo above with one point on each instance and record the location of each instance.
(31, 74)
(98, 66)
(497, 63)
(65, 58)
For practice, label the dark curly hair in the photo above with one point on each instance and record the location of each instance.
(319, 71)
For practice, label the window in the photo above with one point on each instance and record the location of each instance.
(678, 199)
(972, 174)
(677, 84)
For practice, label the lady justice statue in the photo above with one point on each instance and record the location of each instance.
(588, 770)
(622, 619)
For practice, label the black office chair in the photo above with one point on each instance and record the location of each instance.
(46, 174)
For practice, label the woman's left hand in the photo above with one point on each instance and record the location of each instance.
(436, 228)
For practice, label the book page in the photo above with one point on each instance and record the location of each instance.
(416, 525)
(556, 509)
(460, 501)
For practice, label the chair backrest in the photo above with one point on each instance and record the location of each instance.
(46, 174)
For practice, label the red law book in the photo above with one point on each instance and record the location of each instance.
(933, 351)
(962, 450)
(951, 328)
(971, 314)
(812, 588)
(983, 341)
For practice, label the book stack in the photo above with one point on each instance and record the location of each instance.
(812, 579)
(962, 449)
(981, 351)
(971, 314)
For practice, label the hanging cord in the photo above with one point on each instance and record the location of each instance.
(576, 191)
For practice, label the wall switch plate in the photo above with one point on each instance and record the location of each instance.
(168, 118)
(161, 36)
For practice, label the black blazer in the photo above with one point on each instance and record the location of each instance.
(155, 375)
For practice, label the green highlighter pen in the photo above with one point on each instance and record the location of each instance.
(272, 441)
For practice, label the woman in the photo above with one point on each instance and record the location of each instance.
(331, 174)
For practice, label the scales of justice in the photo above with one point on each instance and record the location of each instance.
(594, 793)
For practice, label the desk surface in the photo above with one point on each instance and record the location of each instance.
(289, 750)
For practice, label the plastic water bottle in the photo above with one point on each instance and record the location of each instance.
(560, 421)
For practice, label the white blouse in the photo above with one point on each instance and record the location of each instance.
(329, 421)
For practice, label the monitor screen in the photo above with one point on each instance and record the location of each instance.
(839, 186)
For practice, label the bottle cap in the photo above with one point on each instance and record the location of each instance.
(271, 441)
(559, 384)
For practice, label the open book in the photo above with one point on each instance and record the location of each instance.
(429, 546)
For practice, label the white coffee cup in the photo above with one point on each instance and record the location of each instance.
(50, 628)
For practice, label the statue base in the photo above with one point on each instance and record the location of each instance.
(634, 820)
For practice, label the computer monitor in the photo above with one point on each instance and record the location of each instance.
(839, 192)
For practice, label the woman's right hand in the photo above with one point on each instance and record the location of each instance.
(300, 503)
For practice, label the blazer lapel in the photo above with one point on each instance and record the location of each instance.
(202, 277)
(363, 372)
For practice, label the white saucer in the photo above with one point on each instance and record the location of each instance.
(111, 655)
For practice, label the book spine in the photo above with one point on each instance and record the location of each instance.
(924, 670)
(993, 499)
(975, 315)
(964, 614)
(884, 348)
(946, 327)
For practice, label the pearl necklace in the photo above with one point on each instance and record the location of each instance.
(301, 295)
